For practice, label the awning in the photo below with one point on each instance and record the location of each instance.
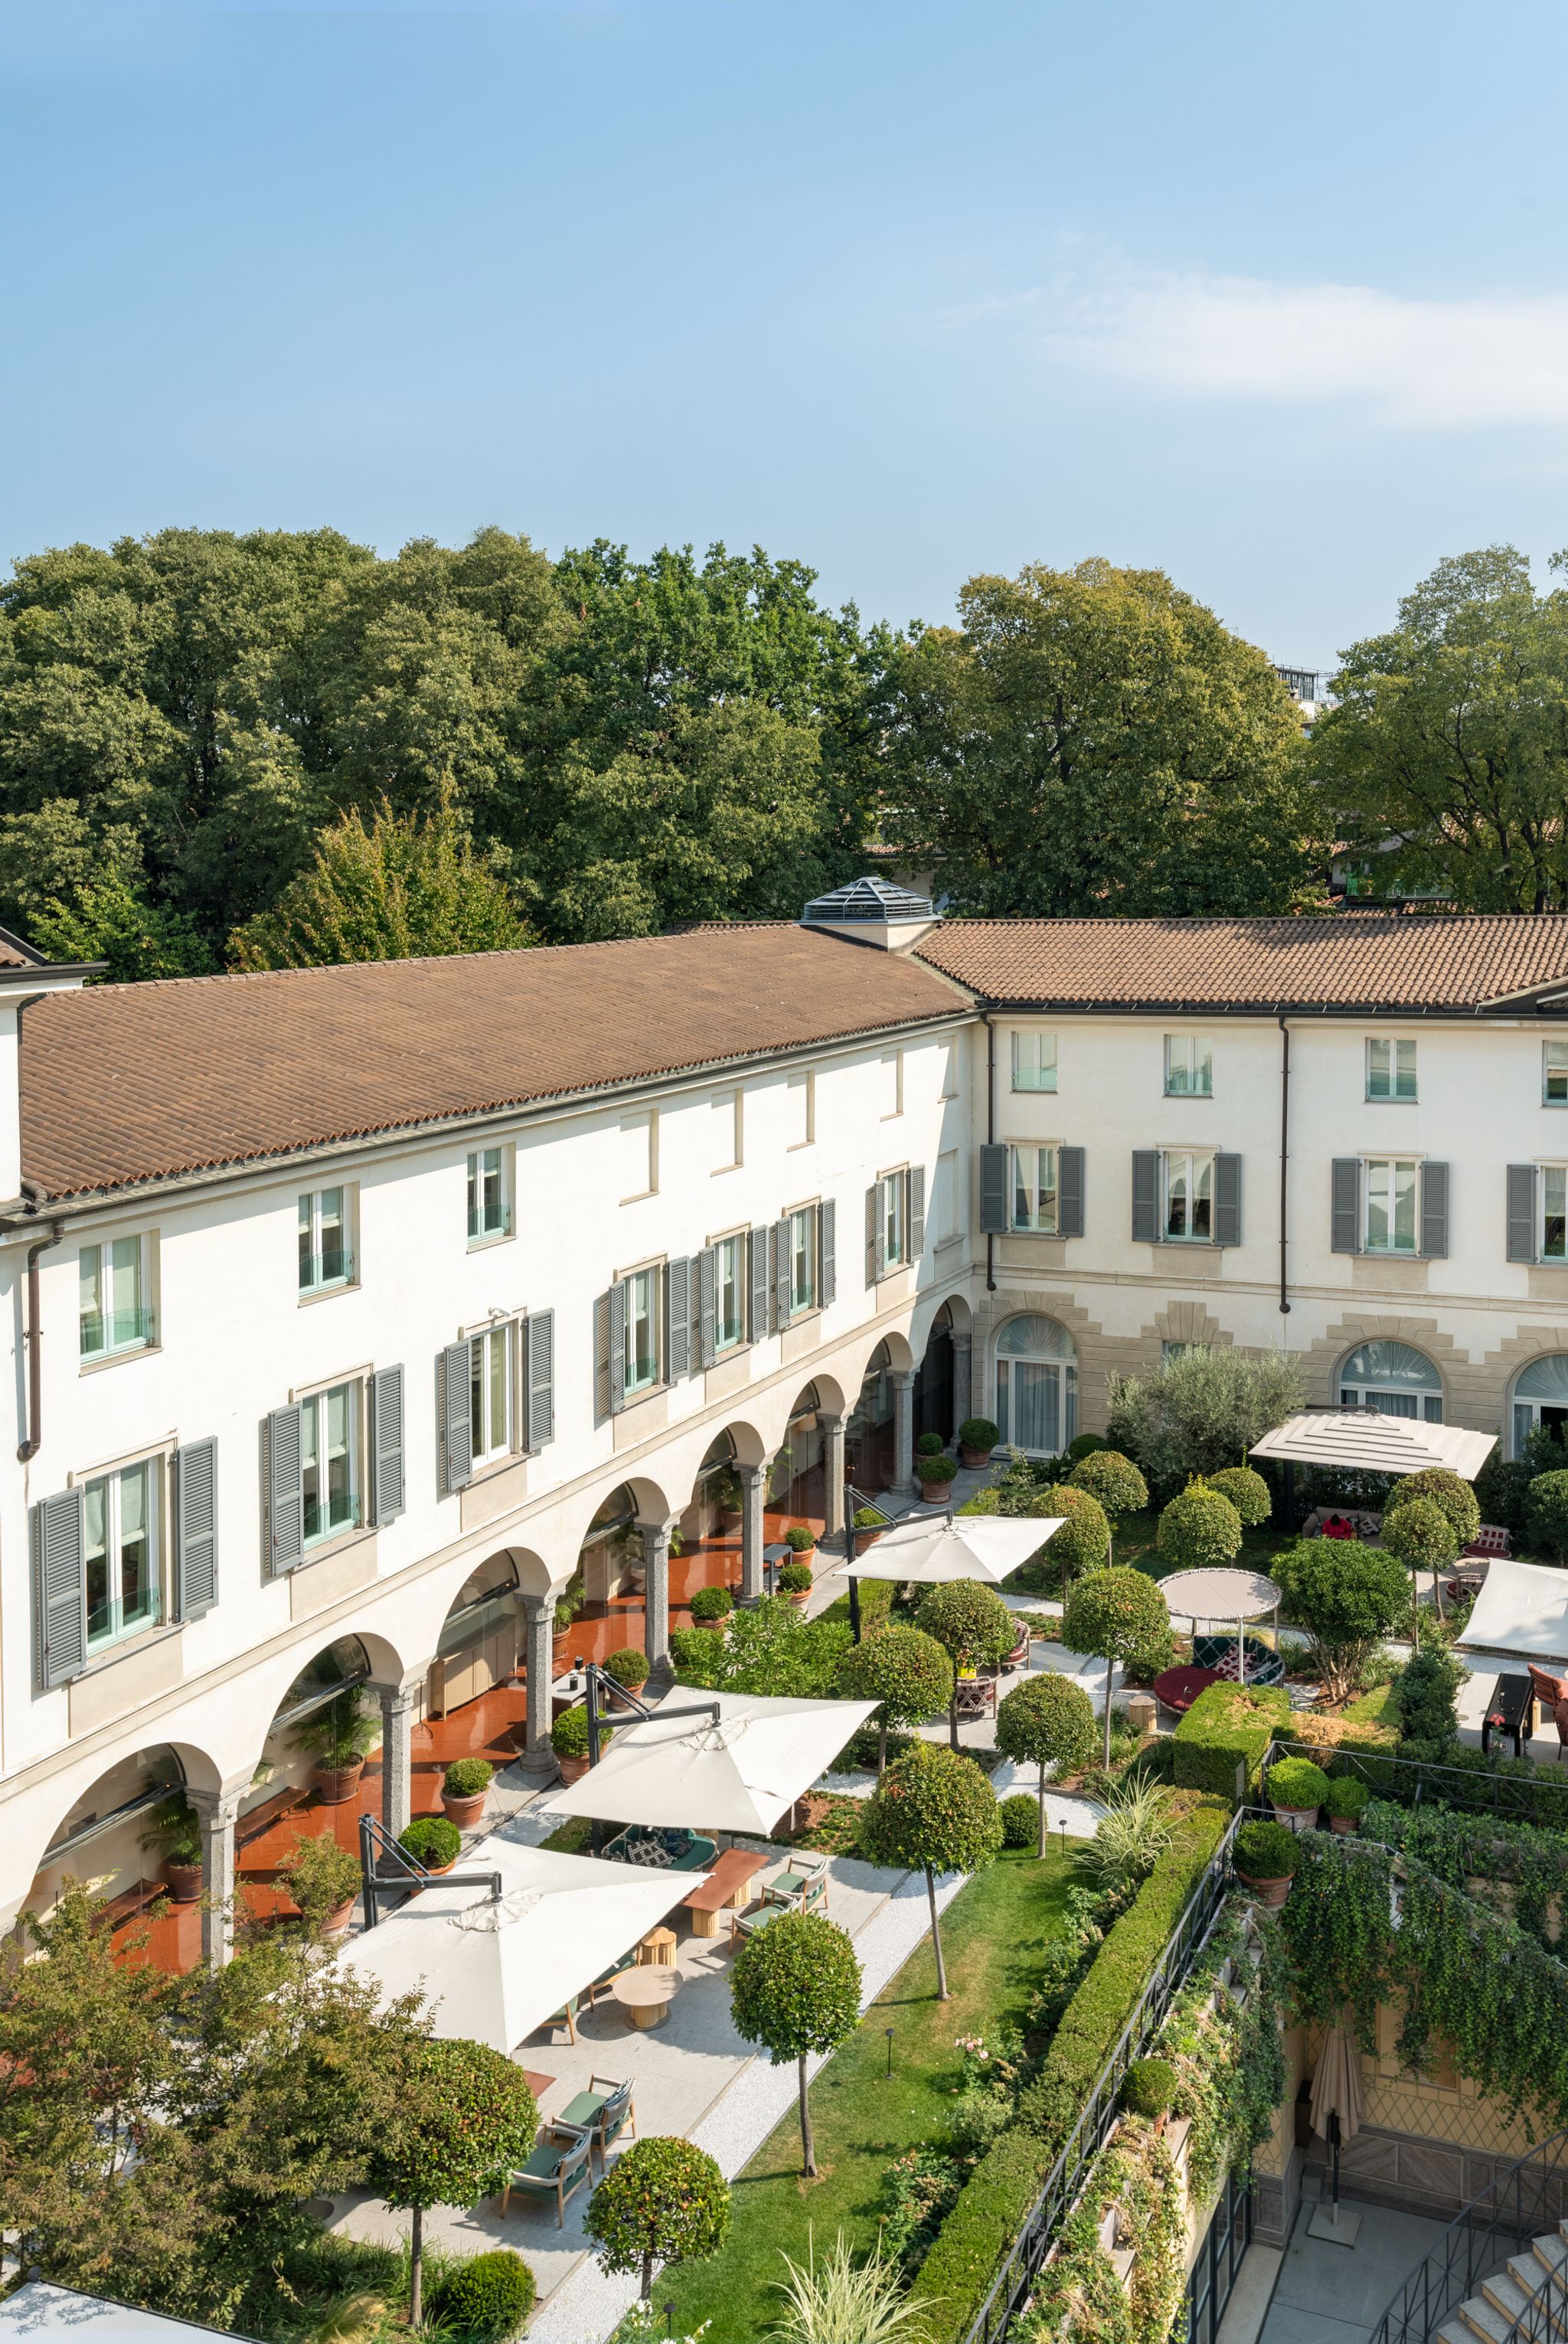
(495, 1972)
(1364, 1441)
(933, 1549)
(1521, 1612)
(740, 1775)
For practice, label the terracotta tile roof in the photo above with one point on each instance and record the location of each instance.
(1353, 960)
(128, 1083)
(14, 954)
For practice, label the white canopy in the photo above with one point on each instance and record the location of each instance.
(1521, 1611)
(495, 1972)
(932, 1548)
(1364, 1441)
(1219, 1594)
(740, 1775)
(40, 2308)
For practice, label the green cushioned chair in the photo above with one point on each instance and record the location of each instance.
(556, 2169)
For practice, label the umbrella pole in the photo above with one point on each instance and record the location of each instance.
(852, 1548)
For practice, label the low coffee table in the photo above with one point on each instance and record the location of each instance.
(646, 1992)
(728, 1881)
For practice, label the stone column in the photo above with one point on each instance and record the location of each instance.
(539, 1760)
(832, 1473)
(656, 1557)
(398, 1702)
(753, 1487)
(218, 1812)
(903, 1382)
(963, 1379)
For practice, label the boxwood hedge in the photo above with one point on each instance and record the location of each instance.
(1228, 1726)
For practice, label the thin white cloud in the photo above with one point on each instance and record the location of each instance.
(1425, 362)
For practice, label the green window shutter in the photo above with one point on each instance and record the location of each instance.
(778, 1259)
(615, 1323)
(827, 1252)
(453, 1376)
(59, 1590)
(539, 1378)
(285, 1543)
(762, 1292)
(387, 1497)
(1227, 1200)
(1345, 1206)
(192, 1505)
(707, 1306)
(1070, 1192)
(678, 1319)
(995, 1176)
(1521, 1212)
(1434, 1211)
(916, 1211)
(1145, 1195)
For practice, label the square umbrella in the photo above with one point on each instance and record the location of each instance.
(932, 1548)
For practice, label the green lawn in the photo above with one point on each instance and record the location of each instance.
(992, 1933)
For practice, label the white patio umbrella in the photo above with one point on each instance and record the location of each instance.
(932, 1548)
(1364, 1441)
(1225, 1595)
(738, 1774)
(496, 1971)
(1521, 1613)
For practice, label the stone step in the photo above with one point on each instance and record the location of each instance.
(1552, 2252)
(1483, 2322)
(1506, 2296)
(1542, 2281)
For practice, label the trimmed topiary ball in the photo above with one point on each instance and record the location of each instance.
(929, 1444)
(1297, 1784)
(1150, 2089)
(629, 1667)
(712, 1603)
(1019, 1820)
(1546, 1512)
(431, 1841)
(1085, 1445)
(1421, 1534)
(1083, 1541)
(1247, 1492)
(1445, 1490)
(1112, 1480)
(488, 2296)
(1200, 1529)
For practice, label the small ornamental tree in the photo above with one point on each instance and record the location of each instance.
(1546, 1512)
(795, 1988)
(662, 2201)
(971, 1623)
(1422, 1535)
(1112, 1613)
(465, 2120)
(1200, 1529)
(1083, 1541)
(908, 1673)
(1247, 1492)
(1046, 1721)
(1448, 1492)
(1115, 1482)
(934, 1810)
(1347, 1597)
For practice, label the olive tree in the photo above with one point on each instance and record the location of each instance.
(1202, 1412)
(1112, 1613)
(935, 1810)
(1046, 1721)
(466, 2120)
(662, 2201)
(971, 1623)
(907, 1672)
(795, 1988)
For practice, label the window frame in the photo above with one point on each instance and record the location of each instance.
(496, 1334)
(1036, 1038)
(154, 1464)
(805, 1085)
(474, 1156)
(110, 1353)
(895, 1059)
(1369, 1164)
(803, 1223)
(1037, 1148)
(1395, 1045)
(894, 1185)
(349, 1228)
(1192, 1044)
(1547, 1174)
(1194, 1159)
(654, 1272)
(1549, 1043)
(738, 1242)
(310, 1403)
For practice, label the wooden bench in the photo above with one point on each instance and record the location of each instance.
(129, 1904)
(271, 1811)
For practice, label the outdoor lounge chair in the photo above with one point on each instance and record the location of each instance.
(556, 2169)
(566, 2016)
(602, 2114)
(802, 1885)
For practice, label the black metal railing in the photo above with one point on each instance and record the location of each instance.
(1522, 2201)
(1218, 2261)
(1020, 2266)
(1415, 1782)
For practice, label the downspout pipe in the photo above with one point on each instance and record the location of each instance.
(990, 1134)
(1284, 1162)
(35, 1341)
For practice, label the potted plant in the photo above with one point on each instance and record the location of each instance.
(936, 1476)
(629, 1667)
(463, 1791)
(1150, 2091)
(977, 1436)
(341, 1737)
(1347, 1802)
(711, 1603)
(1297, 1789)
(929, 1444)
(323, 1879)
(801, 1542)
(175, 1833)
(432, 1841)
(795, 1582)
(569, 1740)
(725, 1490)
(1266, 1860)
(870, 1524)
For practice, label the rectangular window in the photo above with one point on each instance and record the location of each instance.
(949, 1089)
(329, 1453)
(489, 1207)
(1391, 1183)
(124, 1580)
(326, 1253)
(729, 1133)
(945, 1199)
(729, 1293)
(895, 1226)
(1391, 1070)
(115, 1302)
(1554, 1074)
(802, 1241)
(491, 1393)
(642, 1346)
(1189, 1066)
(1553, 1189)
(800, 1110)
(1190, 1199)
(1033, 1061)
(892, 1084)
(1034, 1190)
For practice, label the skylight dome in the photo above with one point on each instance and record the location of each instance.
(868, 900)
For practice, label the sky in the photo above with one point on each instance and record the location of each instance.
(1275, 300)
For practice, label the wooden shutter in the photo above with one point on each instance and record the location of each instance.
(876, 1235)
(1227, 1200)
(678, 1319)
(760, 1289)
(1345, 1212)
(1146, 1195)
(1070, 1192)
(916, 1211)
(707, 1306)
(1521, 1212)
(59, 1590)
(779, 1263)
(617, 1332)
(994, 1175)
(453, 1382)
(827, 1253)
(602, 1391)
(538, 1338)
(192, 1523)
(387, 1500)
(1434, 1211)
(285, 1490)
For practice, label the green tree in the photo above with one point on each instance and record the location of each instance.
(1348, 1596)
(466, 2120)
(1093, 740)
(662, 2201)
(1083, 1541)
(1202, 1412)
(907, 1672)
(1450, 1493)
(1046, 1721)
(1115, 1484)
(795, 1988)
(1112, 1613)
(1424, 1538)
(972, 1625)
(1247, 1492)
(1199, 1529)
(934, 1809)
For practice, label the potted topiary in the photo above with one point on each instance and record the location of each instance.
(464, 1787)
(795, 1582)
(936, 1476)
(1266, 1857)
(1346, 1802)
(172, 1830)
(340, 1737)
(323, 1879)
(710, 1603)
(432, 1841)
(929, 1444)
(801, 1542)
(1297, 1789)
(569, 1740)
(629, 1667)
(1149, 2090)
(870, 1524)
(977, 1436)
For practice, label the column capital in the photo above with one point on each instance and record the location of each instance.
(390, 1689)
(219, 1806)
(829, 1421)
(902, 1379)
(536, 1606)
(962, 1337)
(751, 1473)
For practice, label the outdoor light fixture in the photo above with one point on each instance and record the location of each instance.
(888, 2033)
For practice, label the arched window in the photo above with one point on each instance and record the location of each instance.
(1036, 1386)
(1540, 1399)
(1395, 1379)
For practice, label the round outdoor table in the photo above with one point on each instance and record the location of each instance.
(1180, 1688)
(645, 1993)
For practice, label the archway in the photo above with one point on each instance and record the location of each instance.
(796, 1484)
(869, 1432)
(299, 1790)
(602, 1609)
(1394, 1379)
(1541, 1401)
(1036, 1385)
(934, 1380)
(100, 1840)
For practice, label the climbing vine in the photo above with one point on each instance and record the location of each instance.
(1518, 1870)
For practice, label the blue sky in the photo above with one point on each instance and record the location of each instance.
(1273, 298)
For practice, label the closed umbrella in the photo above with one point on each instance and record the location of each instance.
(1337, 2107)
(932, 1548)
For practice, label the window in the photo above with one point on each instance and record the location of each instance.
(1393, 1379)
(802, 1242)
(115, 1301)
(1033, 1061)
(1392, 1185)
(949, 1089)
(1554, 1074)
(1541, 1401)
(1190, 1199)
(1034, 1190)
(729, 1293)
(330, 1454)
(490, 1393)
(890, 1205)
(1171, 1352)
(1391, 1070)
(640, 1155)
(642, 1360)
(945, 1196)
(120, 1528)
(325, 1257)
(1554, 1193)
(1036, 1386)
(729, 1132)
(892, 1084)
(800, 1110)
(489, 1207)
(1189, 1066)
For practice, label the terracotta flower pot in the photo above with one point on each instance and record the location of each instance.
(572, 1769)
(184, 1881)
(1344, 1824)
(973, 1458)
(335, 1785)
(801, 1599)
(464, 1812)
(1270, 1893)
(1297, 1819)
(936, 1493)
(336, 1923)
(729, 1521)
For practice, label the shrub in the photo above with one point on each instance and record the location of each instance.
(629, 1667)
(568, 1735)
(839, 2297)
(661, 2201)
(929, 1444)
(1202, 1412)
(321, 1876)
(345, 1730)
(1224, 1734)
(1110, 1612)
(1019, 1820)
(697, 1656)
(1267, 1852)
(1423, 1694)
(984, 1502)
(431, 1841)
(488, 2296)
(1112, 1480)
(795, 1578)
(1421, 1534)
(1085, 1445)
(1128, 1840)
(467, 1777)
(795, 1988)
(1546, 1512)
(1200, 1529)
(711, 1603)
(942, 1468)
(1348, 1596)
(979, 1432)
(870, 1518)
(1150, 2089)
(1447, 1491)
(1247, 1492)
(1046, 1721)
(1083, 1541)
(798, 1538)
(903, 1670)
(1297, 1783)
(1348, 1797)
